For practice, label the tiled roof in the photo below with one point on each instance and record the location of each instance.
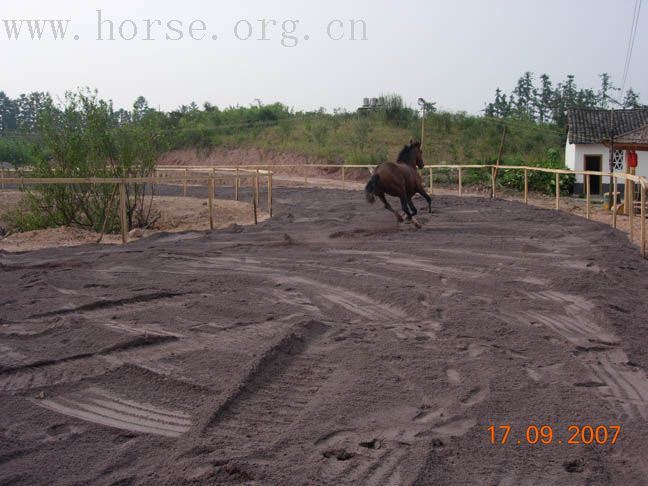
(594, 126)
(638, 136)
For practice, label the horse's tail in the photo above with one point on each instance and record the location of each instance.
(370, 188)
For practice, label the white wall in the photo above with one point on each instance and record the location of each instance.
(570, 156)
(575, 158)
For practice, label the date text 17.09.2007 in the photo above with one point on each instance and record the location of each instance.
(551, 435)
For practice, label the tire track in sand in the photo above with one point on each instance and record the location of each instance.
(103, 408)
(623, 385)
(275, 393)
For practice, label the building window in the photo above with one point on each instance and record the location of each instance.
(618, 160)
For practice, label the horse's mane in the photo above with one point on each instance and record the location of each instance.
(402, 156)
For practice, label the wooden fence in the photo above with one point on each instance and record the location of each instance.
(168, 174)
(428, 172)
(121, 183)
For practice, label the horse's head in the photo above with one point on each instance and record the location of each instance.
(418, 153)
(412, 154)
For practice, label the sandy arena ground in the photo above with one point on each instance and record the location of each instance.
(329, 346)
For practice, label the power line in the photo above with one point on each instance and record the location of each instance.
(631, 42)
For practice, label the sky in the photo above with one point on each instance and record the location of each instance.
(455, 53)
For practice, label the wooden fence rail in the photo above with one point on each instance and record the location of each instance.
(121, 184)
(494, 169)
(258, 170)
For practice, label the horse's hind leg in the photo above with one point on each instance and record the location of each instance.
(389, 208)
(406, 210)
(412, 207)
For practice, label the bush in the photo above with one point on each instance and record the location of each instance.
(80, 138)
(362, 130)
(16, 151)
(539, 181)
(395, 111)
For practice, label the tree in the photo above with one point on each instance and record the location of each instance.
(604, 96)
(8, 113)
(631, 100)
(525, 99)
(140, 109)
(544, 99)
(586, 98)
(501, 107)
(80, 137)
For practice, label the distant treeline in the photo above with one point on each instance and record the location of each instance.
(544, 103)
(534, 115)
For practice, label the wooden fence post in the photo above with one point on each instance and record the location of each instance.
(210, 197)
(557, 190)
(2, 177)
(270, 194)
(236, 185)
(460, 183)
(614, 202)
(122, 213)
(255, 191)
(643, 219)
(526, 186)
(588, 197)
(254, 204)
(431, 181)
(184, 184)
(493, 181)
(630, 209)
(343, 177)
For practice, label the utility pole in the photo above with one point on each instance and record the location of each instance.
(423, 126)
(501, 149)
(423, 105)
(611, 163)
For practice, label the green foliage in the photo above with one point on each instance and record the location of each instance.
(395, 111)
(80, 139)
(85, 136)
(546, 104)
(17, 151)
(544, 182)
(361, 132)
(320, 132)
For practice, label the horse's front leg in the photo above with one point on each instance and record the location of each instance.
(427, 197)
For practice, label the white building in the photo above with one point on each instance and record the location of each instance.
(587, 129)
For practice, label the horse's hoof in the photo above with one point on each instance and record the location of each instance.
(416, 223)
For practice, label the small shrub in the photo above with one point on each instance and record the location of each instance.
(80, 139)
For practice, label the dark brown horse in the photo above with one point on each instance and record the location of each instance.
(400, 179)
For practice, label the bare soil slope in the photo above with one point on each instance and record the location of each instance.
(328, 346)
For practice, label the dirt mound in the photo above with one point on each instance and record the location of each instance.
(237, 157)
(226, 157)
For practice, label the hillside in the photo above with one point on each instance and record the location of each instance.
(353, 139)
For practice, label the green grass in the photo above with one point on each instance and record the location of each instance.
(449, 138)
